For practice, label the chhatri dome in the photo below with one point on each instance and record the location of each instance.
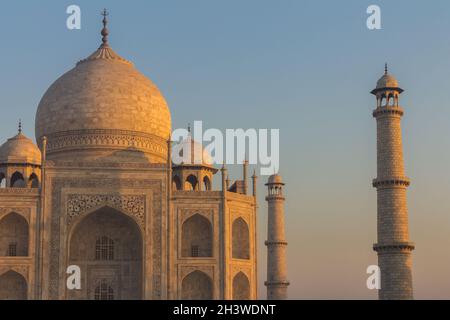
(20, 150)
(387, 81)
(194, 151)
(275, 179)
(104, 107)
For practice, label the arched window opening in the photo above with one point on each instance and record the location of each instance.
(383, 100)
(191, 183)
(2, 181)
(391, 100)
(17, 180)
(33, 181)
(104, 291)
(197, 286)
(12, 249)
(206, 183)
(241, 239)
(104, 248)
(14, 236)
(176, 183)
(195, 251)
(196, 234)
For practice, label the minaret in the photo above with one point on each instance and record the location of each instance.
(393, 246)
(244, 176)
(276, 243)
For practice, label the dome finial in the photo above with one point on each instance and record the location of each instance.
(385, 68)
(105, 31)
(20, 126)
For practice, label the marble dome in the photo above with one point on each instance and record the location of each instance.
(275, 179)
(20, 150)
(104, 103)
(194, 151)
(387, 81)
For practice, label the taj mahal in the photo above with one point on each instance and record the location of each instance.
(99, 191)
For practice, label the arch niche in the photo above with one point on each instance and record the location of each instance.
(197, 285)
(14, 236)
(241, 287)
(107, 245)
(241, 239)
(13, 286)
(197, 238)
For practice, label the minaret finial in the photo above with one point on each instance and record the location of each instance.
(385, 68)
(105, 31)
(20, 125)
(189, 127)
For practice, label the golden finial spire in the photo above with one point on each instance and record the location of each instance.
(385, 68)
(105, 31)
(20, 126)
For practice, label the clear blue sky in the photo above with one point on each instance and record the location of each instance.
(305, 67)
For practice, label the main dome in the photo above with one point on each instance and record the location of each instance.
(102, 104)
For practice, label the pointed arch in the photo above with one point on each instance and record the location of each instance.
(241, 239)
(391, 99)
(33, 181)
(197, 285)
(197, 238)
(191, 183)
(241, 287)
(206, 183)
(17, 180)
(14, 236)
(107, 245)
(13, 286)
(2, 180)
(383, 100)
(176, 183)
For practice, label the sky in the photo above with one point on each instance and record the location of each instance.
(304, 67)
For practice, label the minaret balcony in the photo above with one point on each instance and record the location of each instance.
(279, 283)
(391, 182)
(276, 243)
(394, 247)
(388, 110)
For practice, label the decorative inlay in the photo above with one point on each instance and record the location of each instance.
(205, 212)
(24, 212)
(25, 191)
(20, 269)
(111, 138)
(244, 268)
(78, 204)
(207, 269)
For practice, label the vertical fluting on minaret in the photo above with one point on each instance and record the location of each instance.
(276, 241)
(393, 246)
